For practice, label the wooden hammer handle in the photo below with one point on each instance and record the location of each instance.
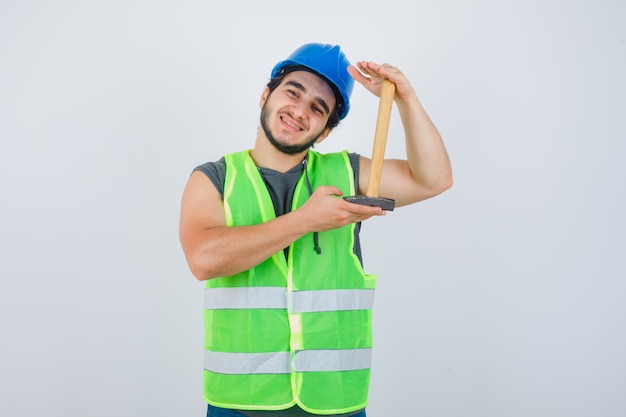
(387, 94)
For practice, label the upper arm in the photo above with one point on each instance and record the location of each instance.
(202, 208)
(396, 182)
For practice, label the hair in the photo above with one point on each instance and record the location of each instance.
(333, 118)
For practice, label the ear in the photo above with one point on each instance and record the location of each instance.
(324, 135)
(264, 95)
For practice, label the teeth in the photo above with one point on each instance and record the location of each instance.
(290, 124)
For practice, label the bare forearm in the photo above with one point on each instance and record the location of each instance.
(226, 251)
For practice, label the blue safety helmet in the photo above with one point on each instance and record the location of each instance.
(325, 60)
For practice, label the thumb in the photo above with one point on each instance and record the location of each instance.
(356, 74)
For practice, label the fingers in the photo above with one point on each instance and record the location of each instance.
(325, 210)
(358, 209)
(357, 75)
(371, 76)
(371, 68)
(360, 212)
(377, 73)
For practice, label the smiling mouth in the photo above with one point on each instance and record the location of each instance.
(289, 122)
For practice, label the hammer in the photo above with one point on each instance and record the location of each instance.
(371, 198)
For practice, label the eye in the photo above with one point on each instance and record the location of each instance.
(317, 110)
(292, 93)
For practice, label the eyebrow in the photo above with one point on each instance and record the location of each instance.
(319, 100)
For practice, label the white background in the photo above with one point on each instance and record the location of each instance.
(503, 297)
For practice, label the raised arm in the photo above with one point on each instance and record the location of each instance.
(214, 250)
(427, 171)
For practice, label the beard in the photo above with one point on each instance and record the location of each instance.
(282, 147)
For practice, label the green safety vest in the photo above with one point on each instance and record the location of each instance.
(296, 331)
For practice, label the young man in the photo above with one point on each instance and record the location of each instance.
(287, 302)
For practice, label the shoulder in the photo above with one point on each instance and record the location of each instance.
(215, 171)
(212, 168)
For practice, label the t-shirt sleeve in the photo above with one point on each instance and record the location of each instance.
(216, 171)
(354, 161)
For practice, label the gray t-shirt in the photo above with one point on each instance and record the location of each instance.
(281, 187)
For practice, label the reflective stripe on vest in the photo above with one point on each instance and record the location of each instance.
(279, 362)
(247, 363)
(277, 297)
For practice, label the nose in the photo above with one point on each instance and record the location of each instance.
(299, 109)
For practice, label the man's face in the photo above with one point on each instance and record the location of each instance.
(294, 115)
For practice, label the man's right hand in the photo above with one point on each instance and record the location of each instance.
(326, 210)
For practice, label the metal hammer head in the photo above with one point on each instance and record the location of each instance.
(364, 200)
